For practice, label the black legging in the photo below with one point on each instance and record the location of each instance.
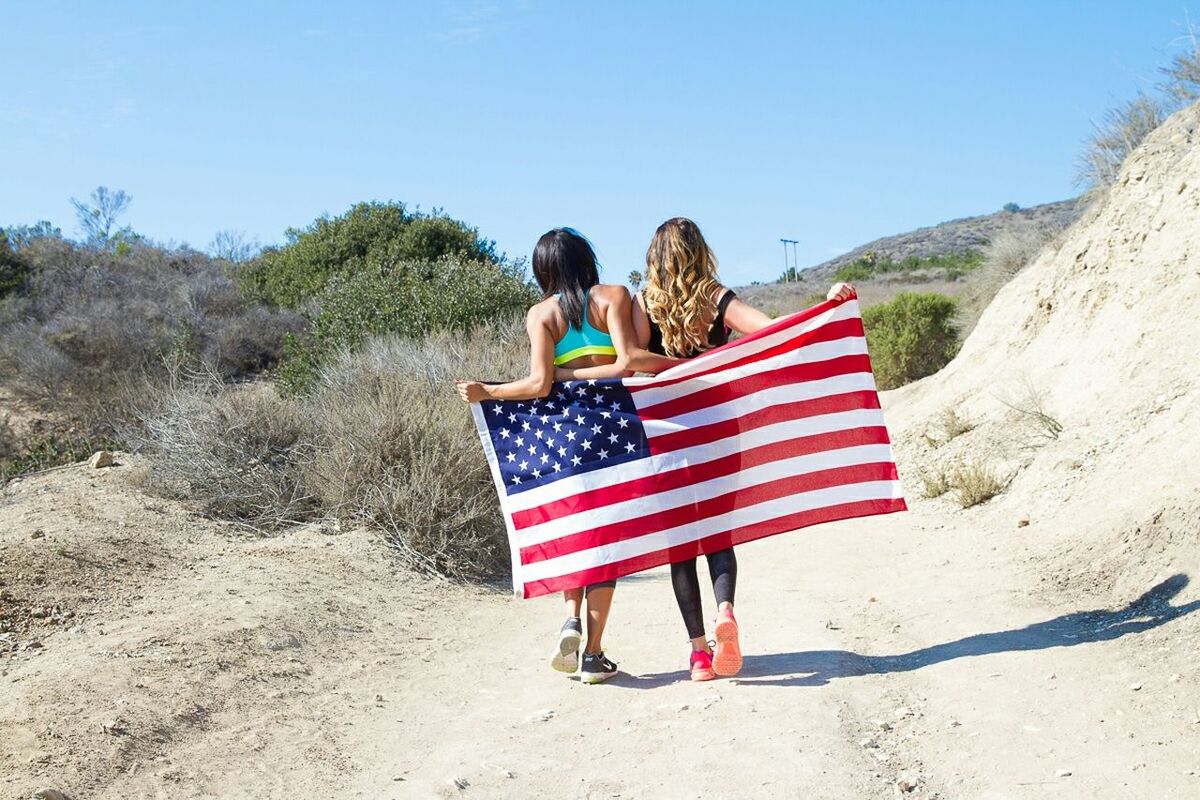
(722, 567)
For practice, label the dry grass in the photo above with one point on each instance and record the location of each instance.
(935, 484)
(977, 482)
(1032, 407)
(953, 424)
(234, 452)
(1117, 135)
(382, 441)
(1004, 257)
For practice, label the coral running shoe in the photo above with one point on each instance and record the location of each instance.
(728, 658)
(702, 666)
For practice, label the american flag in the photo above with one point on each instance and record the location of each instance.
(768, 434)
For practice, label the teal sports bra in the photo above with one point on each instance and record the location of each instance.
(585, 341)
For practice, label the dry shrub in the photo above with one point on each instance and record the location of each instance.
(953, 424)
(399, 451)
(976, 483)
(1116, 136)
(89, 334)
(1032, 406)
(1006, 255)
(935, 484)
(382, 440)
(234, 452)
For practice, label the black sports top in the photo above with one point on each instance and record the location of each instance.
(718, 334)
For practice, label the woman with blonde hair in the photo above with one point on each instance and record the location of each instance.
(683, 311)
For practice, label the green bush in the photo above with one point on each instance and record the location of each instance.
(911, 336)
(374, 236)
(412, 299)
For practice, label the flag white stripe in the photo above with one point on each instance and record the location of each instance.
(738, 518)
(702, 490)
(706, 361)
(698, 454)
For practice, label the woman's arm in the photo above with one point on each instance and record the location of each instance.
(745, 318)
(630, 356)
(541, 367)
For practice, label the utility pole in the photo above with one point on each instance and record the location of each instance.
(787, 275)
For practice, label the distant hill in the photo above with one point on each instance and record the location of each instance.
(955, 236)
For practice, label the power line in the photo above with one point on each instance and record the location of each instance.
(787, 270)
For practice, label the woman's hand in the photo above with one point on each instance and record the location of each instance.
(471, 391)
(841, 291)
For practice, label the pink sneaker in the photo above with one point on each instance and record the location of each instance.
(702, 666)
(728, 658)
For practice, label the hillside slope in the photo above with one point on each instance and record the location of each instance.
(954, 236)
(1100, 334)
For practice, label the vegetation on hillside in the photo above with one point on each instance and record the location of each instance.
(910, 337)
(948, 265)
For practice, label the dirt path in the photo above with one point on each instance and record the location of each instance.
(179, 658)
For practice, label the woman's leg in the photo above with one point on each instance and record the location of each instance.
(687, 595)
(573, 598)
(599, 603)
(565, 656)
(722, 568)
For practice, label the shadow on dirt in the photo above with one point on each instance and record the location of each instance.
(819, 667)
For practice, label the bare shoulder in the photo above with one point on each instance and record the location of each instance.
(612, 293)
(545, 312)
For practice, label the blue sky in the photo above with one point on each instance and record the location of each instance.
(828, 123)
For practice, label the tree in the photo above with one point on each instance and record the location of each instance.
(22, 236)
(635, 280)
(98, 219)
(370, 236)
(1011, 208)
(234, 247)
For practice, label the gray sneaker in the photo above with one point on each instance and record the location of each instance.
(596, 668)
(565, 657)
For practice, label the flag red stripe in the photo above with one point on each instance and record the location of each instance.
(783, 412)
(756, 382)
(741, 497)
(711, 544)
(696, 473)
(830, 331)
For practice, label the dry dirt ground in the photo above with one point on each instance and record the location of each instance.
(156, 654)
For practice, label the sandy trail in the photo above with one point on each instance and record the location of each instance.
(878, 651)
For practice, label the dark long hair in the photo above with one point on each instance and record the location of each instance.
(564, 263)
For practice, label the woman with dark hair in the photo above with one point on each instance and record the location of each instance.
(580, 323)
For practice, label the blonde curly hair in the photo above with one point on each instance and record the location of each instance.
(681, 286)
